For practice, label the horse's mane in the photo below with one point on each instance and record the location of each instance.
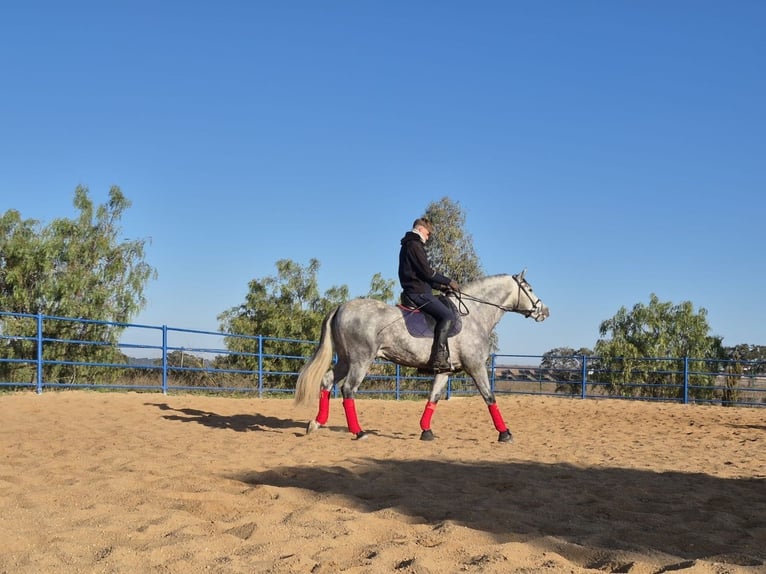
(493, 289)
(488, 283)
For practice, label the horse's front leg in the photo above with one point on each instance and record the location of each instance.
(482, 384)
(497, 419)
(440, 381)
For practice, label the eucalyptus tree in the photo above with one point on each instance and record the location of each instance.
(565, 365)
(78, 267)
(450, 248)
(641, 350)
(381, 289)
(755, 354)
(741, 368)
(287, 306)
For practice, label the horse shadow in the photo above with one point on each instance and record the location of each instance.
(238, 423)
(692, 516)
(748, 427)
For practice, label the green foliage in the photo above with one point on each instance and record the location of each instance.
(739, 368)
(659, 329)
(450, 248)
(565, 365)
(188, 370)
(733, 373)
(755, 354)
(286, 306)
(71, 268)
(381, 289)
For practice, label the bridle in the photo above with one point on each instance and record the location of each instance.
(459, 295)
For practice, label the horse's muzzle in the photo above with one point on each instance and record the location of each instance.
(540, 312)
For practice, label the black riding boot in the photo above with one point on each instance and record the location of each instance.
(439, 361)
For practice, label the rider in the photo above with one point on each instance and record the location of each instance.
(417, 279)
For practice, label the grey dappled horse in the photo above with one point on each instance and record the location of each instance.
(361, 330)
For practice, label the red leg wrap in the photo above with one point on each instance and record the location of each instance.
(324, 407)
(497, 418)
(425, 420)
(353, 422)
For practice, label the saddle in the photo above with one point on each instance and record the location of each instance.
(421, 324)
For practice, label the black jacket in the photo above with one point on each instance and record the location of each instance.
(415, 273)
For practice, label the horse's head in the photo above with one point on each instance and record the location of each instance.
(529, 304)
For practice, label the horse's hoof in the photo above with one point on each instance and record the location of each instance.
(505, 436)
(427, 435)
(312, 426)
(361, 435)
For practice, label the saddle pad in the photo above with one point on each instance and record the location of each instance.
(422, 325)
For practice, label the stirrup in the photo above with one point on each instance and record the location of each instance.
(432, 369)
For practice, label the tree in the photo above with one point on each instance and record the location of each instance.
(756, 354)
(286, 306)
(187, 369)
(450, 249)
(739, 368)
(381, 289)
(565, 365)
(638, 346)
(71, 268)
(733, 370)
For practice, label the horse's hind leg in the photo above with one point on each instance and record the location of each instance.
(328, 381)
(353, 376)
(348, 390)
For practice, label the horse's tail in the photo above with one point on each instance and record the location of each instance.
(310, 377)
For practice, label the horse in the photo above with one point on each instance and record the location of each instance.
(361, 330)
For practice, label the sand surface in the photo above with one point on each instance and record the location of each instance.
(132, 482)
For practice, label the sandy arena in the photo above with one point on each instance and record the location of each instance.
(141, 482)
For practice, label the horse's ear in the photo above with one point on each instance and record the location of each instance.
(521, 275)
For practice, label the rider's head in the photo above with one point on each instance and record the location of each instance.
(423, 226)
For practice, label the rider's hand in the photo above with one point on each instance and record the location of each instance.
(453, 285)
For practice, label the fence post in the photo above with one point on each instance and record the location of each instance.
(686, 380)
(584, 388)
(164, 359)
(39, 353)
(398, 388)
(260, 366)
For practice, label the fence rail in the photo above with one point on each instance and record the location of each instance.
(47, 352)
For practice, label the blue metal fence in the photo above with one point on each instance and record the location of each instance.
(164, 359)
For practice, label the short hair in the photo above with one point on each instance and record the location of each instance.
(425, 222)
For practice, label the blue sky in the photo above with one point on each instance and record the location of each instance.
(614, 149)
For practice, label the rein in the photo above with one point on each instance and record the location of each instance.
(463, 310)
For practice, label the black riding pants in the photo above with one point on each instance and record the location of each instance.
(430, 304)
